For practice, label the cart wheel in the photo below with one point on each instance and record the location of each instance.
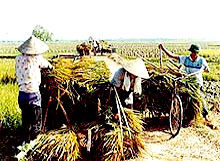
(176, 115)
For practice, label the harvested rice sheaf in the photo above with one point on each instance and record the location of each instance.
(108, 140)
(60, 144)
(69, 89)
(85, 72)
(113, 142)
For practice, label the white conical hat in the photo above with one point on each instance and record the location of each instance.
(136, 67)
(33, 45)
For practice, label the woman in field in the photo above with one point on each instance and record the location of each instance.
(28, 66)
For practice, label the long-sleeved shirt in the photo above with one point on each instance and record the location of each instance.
(28, 71)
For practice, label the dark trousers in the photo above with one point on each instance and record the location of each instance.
(30, 105)
(204, 110)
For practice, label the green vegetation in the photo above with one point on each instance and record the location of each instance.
(41, 33)
(9, 49)
(10, 113)
(7, 74)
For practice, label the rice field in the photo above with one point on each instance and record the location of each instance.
(9, 111)
(10, 49)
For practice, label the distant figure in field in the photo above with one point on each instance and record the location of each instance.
(83, 49)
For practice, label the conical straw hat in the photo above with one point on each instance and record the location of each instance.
(33, 45)
(136, 67)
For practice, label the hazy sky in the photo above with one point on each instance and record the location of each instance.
(109, 19)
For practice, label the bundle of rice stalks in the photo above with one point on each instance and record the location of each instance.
(61, 144)
(85, 72)
(108, 140)
(115, 142)
(67, 89)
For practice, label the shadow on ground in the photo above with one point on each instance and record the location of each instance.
(159, 129)
(9, 141)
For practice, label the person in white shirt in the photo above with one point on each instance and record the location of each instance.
(28, 74)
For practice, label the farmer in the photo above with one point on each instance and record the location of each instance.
(193, 63)
(28, 66)
(127, 81)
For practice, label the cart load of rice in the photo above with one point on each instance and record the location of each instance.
(157, 91)
(78, 123)
(157, 95)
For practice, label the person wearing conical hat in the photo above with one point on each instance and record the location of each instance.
(193, 63)
(127, 80)
(28, 74)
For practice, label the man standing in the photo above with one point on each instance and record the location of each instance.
(193, 63)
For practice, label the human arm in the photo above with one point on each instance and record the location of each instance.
(168, 53)
(118, 78)
(205, 66)
(205, 69)
(44, 63)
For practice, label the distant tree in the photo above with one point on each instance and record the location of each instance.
(41, 33)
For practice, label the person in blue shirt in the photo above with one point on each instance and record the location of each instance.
(193, 63)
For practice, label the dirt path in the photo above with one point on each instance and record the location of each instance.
(192, 143)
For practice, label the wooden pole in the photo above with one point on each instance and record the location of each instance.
(161, 63)
(46, 113)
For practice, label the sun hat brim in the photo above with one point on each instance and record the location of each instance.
(136, 67)
(33, 45)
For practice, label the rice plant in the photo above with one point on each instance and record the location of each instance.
(10, 113)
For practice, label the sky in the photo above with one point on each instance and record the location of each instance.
(111, 19)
